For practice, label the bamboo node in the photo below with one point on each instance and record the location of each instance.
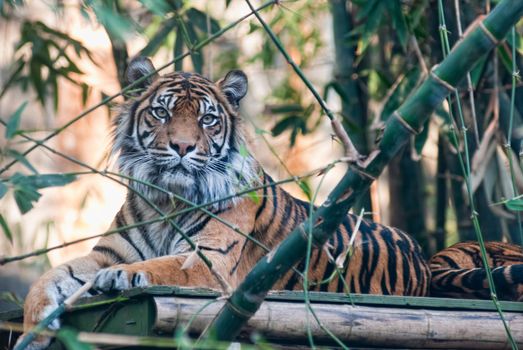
(364, 173)
(440, 81)
(239, 311)
(488, 33)
(404, 123)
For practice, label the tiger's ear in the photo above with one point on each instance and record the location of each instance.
(234, 86)
(140, 67)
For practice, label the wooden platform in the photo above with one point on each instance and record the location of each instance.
(368, 321)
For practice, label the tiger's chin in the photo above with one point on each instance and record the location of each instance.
(216, 190)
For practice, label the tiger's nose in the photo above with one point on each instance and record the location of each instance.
(182, 148)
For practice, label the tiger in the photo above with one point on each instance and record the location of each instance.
(182, 135)
(458, 271)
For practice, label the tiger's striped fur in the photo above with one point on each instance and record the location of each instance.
(458, 271)
(184, 135)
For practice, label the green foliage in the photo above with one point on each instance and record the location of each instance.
(514, 204)
(43, 55)
(186, 26)
(25, 188)
(107, 13)
(5, 227)
(12, 153)
(14, 121)
(11, 298)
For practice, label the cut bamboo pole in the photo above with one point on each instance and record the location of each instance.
(372, 326)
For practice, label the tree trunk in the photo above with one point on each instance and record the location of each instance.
(407, 194)
(354, 103)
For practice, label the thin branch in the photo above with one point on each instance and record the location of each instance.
(291, 62)
(351, 154)
(419, 55)
(470, 88)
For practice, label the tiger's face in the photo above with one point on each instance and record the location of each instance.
(183, 134)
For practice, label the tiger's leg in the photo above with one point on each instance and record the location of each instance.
(61, 282)
(53, 288)
(167, 270)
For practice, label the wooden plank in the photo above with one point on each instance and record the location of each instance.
(358, 325)
(358, 299)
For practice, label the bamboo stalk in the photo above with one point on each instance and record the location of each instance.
(366, 326)
(408, 119)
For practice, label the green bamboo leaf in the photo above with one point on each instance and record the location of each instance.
(50, 180)
(69, 337)
(14, 121)
(159, 8)
(158, 39)
(22, 159)
(25, 188)
(24, 198)
(515, 204)
(11, 298)
(35, 77)
(3, 189)
(254, 197)
(290, 122)
(367, 7)
(306, 188)
(199, 19)
(42, 27)
(336, 86)
(5, 228)
(53, 82)
(377, 84)
(369, 27)
(253, 27)
(398, 22)
(85, 93)
(116, 24)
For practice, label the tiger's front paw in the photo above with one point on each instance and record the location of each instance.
(120, 277)
(39, 303)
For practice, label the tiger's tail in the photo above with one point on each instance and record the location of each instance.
(473, 283)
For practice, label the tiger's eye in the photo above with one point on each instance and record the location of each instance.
(161, 112)
(208, 120)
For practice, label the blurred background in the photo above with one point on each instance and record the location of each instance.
(62, 58)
